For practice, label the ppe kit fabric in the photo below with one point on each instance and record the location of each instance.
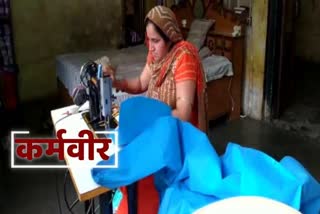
(188, 172)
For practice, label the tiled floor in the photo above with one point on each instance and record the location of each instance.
(41, 191)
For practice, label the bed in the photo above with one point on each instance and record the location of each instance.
(222, 54)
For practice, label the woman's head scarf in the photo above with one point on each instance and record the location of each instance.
(165, 19)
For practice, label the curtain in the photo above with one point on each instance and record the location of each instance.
(8, 69)
(6, 46)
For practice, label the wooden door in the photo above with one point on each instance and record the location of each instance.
(280, 84)
(286, 89)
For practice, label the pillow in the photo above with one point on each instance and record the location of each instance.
(216, 67)
(204, 52)
(198, 31)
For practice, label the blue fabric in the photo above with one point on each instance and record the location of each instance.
(188, 172)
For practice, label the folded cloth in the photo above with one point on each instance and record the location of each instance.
(188, 172)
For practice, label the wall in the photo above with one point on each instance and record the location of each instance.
(253, 88)
(149, 5)
(45, 28)
(308, 31)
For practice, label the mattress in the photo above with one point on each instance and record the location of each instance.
(129, 62)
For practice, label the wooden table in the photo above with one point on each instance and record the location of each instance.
(72, 121)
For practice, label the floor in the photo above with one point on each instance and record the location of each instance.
(303, 114)
(41, 191)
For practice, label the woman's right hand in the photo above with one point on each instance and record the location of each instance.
(108, 70)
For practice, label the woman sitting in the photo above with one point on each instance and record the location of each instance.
(174, 75)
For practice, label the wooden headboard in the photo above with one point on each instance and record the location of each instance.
(220, 38)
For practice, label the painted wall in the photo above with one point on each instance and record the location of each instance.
(253, 88)
(45, 28)
(308, 31)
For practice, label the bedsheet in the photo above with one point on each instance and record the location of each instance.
(129, 62)
(216, 67)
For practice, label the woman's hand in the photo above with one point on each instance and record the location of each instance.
(108, 70)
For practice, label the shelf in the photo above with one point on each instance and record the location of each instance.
(211, 32)
(224, 34)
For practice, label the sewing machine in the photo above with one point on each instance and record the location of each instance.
(97, 89)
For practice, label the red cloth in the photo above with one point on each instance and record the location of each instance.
(123, 207)
(147, 195)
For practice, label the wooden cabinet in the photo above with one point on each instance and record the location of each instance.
(184, 32)
(233, 49)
